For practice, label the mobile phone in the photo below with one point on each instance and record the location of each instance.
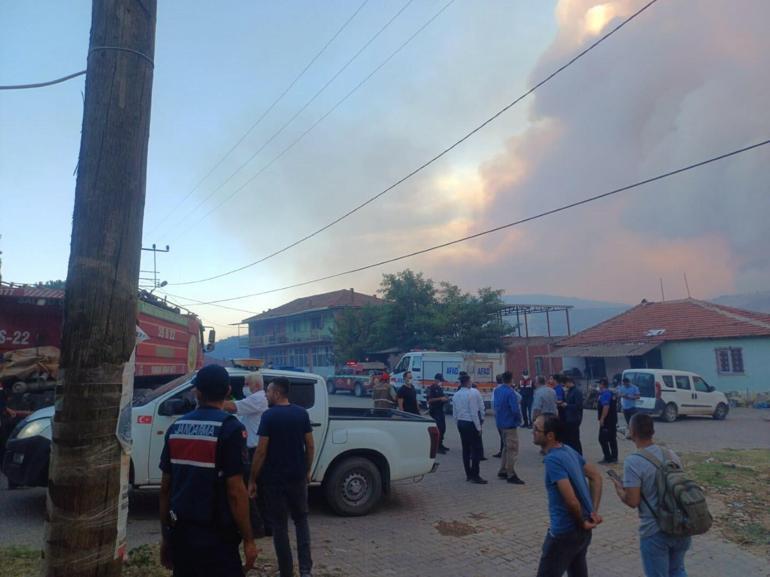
(613, 475)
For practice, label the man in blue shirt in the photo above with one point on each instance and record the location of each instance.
(573, 506)
(282, 463)
(508, 418)
(607, 409)
(629, 394)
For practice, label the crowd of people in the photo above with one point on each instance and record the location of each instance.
(229, 480)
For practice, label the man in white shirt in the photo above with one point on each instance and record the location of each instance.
(467, 405)
(249, 411)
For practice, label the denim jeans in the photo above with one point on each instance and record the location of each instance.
(566, 552)
(663, 555)
(282, 500)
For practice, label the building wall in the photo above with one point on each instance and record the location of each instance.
(539, 363)
(700, 357)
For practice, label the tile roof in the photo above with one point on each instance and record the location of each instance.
(687, 319)
(345, 298)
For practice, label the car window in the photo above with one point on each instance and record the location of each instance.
(646, 384)
(700, 385)
(301, 391)
(668, 380)
(236, 386)
(148, 395)
(402, 364)
(683, 382)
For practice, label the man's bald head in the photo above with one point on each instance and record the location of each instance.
(254, 382)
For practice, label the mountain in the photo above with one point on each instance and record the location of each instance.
(584, 314)
(227, 349)
(758, 301)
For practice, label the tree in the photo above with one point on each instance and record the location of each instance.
(52, 284)
(357, 332)
(410, 317)
(89, 469)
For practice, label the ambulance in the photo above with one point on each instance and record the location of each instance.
(482, 368)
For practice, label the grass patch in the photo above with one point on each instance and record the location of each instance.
(740, 479)
(19, 561)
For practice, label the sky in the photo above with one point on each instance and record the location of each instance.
(401, 82)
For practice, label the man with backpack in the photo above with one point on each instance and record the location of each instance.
(671, 507)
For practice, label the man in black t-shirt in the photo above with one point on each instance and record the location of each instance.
(407, 396)
(283, 462)
(436, 401)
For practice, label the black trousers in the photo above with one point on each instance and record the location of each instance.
(472, 449)
(257, 508)
(608, 439)
(440, 418)
(565, 553)
(572, 436)
(203, 552)
(628, 413)
(282, 501)
(526, 411)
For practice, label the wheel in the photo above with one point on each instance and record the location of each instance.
(330, 388)
(358, 390)
(353, 487)
(720, 413)
(670, 413)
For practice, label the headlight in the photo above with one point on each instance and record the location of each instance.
(38, 427)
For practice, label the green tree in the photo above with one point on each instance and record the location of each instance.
(356, 333)
(410, 317)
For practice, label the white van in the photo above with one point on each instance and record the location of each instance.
(668, 394)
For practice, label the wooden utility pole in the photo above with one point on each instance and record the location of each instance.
(88, 466)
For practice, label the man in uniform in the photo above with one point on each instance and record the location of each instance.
(436, 401)
(607, 408)
(383, 395)
(527, 391)
(204, 504)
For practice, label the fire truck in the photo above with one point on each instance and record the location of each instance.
(172, 343)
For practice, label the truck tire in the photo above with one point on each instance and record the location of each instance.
(358, 390)
(353, 487)
(330, 388)
(720, 413)
(670, 413)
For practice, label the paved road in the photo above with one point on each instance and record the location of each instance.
(504, 524)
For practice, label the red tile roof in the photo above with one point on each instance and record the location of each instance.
(688, 319)
(345, 298)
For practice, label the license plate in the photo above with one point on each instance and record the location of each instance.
(18, 458)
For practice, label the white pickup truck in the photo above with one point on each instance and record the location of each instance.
(359, 451)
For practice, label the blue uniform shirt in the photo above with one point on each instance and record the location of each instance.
(203, 448)
(559, 389)
(565, 463)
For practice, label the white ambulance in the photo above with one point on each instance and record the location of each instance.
(482, 368)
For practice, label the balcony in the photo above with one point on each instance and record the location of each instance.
(290, 338)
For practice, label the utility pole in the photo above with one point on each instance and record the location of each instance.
(85, 529)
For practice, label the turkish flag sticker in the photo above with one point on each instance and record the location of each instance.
(144, 419)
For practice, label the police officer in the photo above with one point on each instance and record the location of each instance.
(436, 401)
(204, 504)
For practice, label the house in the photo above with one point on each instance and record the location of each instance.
(299, 334)
(728, 347)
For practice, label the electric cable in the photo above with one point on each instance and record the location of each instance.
(504, 226)
(426, 164)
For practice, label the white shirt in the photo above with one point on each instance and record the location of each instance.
(467, 405)
(249, 412)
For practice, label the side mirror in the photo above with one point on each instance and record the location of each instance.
(174, 407)
(212, 340)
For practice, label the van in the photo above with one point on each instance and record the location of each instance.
(668, 394)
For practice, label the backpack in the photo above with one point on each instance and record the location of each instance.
(682, 510)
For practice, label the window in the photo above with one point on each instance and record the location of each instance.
(538, 365)
(646, 384)
(316, 323)
(700, 385)
(301, 391)
(668, 381)
(402, 365)
(729, 361)
(683, 382)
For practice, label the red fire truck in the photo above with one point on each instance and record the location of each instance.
(30, 337)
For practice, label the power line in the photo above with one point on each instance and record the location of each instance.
(430, 161)
(197, 302)
(42, 84)
(298, 112)
(267, 111)
(504, 226)
(322, 118)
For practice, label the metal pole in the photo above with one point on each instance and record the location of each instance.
(569, 330)
(526, 346)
